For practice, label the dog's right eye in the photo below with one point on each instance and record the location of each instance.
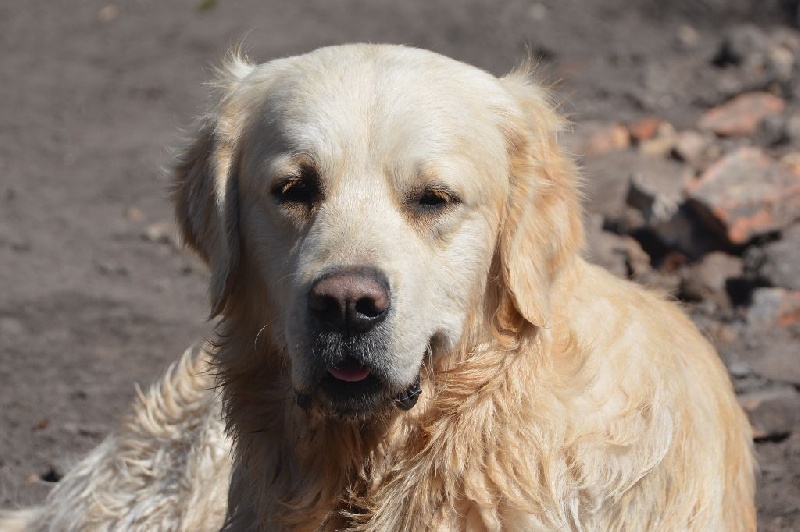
(433, 200)
(300, 189)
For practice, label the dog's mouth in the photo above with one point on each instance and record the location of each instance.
(352, 389)
(349, 370)
(350, 380)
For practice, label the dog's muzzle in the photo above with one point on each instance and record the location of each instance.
(405, 400)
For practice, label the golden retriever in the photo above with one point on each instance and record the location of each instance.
(409, 338)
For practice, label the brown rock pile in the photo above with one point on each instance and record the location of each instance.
(711, 213)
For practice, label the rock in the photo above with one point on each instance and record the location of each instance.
(780, 63)
(708, 278)
(792, 161)
(598, 138)
(656, 194)
(107, 14)
(745, 194)
(656, 189)
(778, 130)
(695, 148)
(52, 474)
(776, 357)
(772, 131)
(687, 37)
(657, 280)
(741, 115)
(112, 269)
(662, 142)
(621, 255)
(134, 214)
(773, 412)
(773, 307)
(741, 46)
(777, 263)
(538, 12)
(644, 128)
(607, 180)
(791, 126)
(160, 233)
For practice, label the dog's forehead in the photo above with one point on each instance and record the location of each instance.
(382, 99)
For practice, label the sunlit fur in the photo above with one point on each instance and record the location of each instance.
(166, 467)
(569, 400)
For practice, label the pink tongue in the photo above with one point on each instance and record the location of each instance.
(349, 371)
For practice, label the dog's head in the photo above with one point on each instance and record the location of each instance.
(368, 204)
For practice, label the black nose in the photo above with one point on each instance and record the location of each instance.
(350, 301)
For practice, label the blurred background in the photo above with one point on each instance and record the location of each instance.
(686, 123)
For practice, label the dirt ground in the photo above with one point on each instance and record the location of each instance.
(95, 295)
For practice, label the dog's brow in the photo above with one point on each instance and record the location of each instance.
(292, 165)
(430, 176)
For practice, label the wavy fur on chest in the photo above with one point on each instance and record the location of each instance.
(523, 432)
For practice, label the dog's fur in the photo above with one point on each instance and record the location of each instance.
(554, 396)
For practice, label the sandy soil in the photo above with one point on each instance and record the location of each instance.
(94, 293)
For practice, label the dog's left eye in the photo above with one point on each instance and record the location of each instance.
(300, 189)
(434, 199)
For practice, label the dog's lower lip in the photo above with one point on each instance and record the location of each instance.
(349, 371)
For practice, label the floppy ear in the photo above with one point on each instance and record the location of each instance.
(543, 227)
(205, 189)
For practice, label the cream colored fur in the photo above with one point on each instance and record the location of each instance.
(562, 398)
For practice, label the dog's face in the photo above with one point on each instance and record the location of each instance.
(362, 190)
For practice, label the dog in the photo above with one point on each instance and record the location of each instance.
(409, 337)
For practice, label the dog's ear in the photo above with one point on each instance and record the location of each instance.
(205, 186)
(543, 226)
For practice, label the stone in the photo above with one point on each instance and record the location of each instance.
(778, 130)
(773, 412)
(607, 180)
(656, 189)
(776, 263)
(741, 115)
(779, 62)
(108, 13)
(742, 45)
(621, 255)
(112, 269)
(538, 12)
(594, 139)
(772, 131)
(776, 356)
(745, 194)
(657, 280)
(694, 148)
(687, 37)
(773, 308)
(662, 143)
(134, 214)
(657, 195)
(683, 233)
(160, 233)
(792, 161)
(644, 128)
(707, 280)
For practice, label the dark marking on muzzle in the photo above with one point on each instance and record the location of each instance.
(407, 399)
